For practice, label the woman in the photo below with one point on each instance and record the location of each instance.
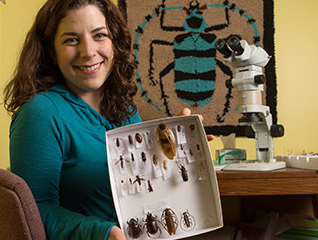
(73, 82)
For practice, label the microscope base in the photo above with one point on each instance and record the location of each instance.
(255, 166)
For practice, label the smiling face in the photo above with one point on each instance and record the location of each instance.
(84, 51)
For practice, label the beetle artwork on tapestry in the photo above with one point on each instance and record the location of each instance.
(194, 60)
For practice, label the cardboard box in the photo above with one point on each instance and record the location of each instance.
(181, 194)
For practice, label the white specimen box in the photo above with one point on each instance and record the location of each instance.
(142, 184)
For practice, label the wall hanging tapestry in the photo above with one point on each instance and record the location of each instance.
(170, 79)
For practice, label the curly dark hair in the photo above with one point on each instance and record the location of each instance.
(36, 73)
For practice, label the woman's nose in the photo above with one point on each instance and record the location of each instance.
(87, 49)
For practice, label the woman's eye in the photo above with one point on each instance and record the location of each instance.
(101, 35)
(71, 40)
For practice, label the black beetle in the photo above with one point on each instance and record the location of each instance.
(184, 172)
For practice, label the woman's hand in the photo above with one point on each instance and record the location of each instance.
(116, 234)
(186, 112)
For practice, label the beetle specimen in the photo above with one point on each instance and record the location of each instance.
(121, 160)
(133, 164)
(138, 137)
(143, 157)
(199, 150)
(119, 145)
(169, 221)
(151, 225)
(166, 140)
(139, 186)
(134, 229)
(117, 142)
(150, 188)
(156, 166)
(198, 147)
(187, 221)
(155, 159)
(182, 151)
(165, 165)
(130, 140)
(184, 172)
(123, 187)
(148, 140)
(180, 134)
(131, 189)
(138, 180)
(192, 127)
(201, 171)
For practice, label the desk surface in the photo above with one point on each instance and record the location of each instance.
(289, 181)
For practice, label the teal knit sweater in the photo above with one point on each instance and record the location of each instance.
(57, 145)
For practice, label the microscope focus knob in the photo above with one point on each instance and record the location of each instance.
(259, 79)
(228, 83)
(277, 130)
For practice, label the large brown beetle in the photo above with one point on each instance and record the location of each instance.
(151, 225)
(169, 221)
(166, 140)
(134, 228)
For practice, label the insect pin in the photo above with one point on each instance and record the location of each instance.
(184, 171)
(166, 140)
(187, 221)
(134, 228)
(169, 221)
(151, 225)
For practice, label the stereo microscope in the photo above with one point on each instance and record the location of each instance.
(248, 62)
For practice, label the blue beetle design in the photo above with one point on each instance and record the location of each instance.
(194, 61)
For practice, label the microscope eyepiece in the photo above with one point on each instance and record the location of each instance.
(223, 48)
(235, 45)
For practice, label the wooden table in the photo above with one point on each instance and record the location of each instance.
(283, 182)
(287, 181)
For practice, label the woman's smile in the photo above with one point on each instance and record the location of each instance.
(90, 69)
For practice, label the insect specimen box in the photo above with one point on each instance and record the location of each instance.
(162, 177)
